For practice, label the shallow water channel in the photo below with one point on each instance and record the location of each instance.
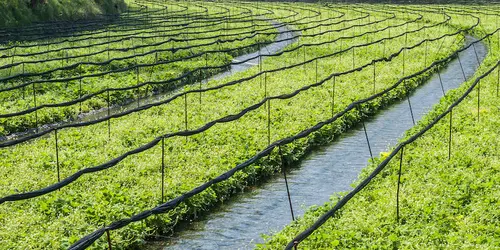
(239, 222)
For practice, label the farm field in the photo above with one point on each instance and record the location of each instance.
(438, 188)
(113, 132)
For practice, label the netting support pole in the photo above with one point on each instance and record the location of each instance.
(366, 41)
(304, 50)
(399, 183)
(57, 156)
(498, 77)
(109, 114)
(286, 182)
(109, 240)
(478, 98)
(162, 170)
(498, 35)
(108, 46)
(206, 73)
(475, 53)
(260, 66)
(449, 136)
(316, 70)
(383, 50)
(461, 67)
(333, 95)
(34, 102)
(404, 54)
(265, 84)
(268, 122)
(80, 92)
(426, 51)
(23, 92)
(409, 105)
(374, 76)
(367, 140)
(320, 24)
(341, 45)
(12, 61)
(353, 57)
(138, 90)
(185, 114)
(441, 82)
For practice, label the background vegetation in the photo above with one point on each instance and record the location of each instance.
(19, 12)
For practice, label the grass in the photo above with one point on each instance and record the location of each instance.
(16, 13)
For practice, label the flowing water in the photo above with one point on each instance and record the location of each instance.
(238, 224)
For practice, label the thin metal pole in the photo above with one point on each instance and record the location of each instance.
(57, 156)
(478, 98)
(426, 51)
(34, 102)
(399, 183)
(138, 89)
(449, 137)
(265, 84)
(286, 183)
(109, 240)
(12, 61)
(374, 76)
(268, 122)
(383, 51)
(353, 57)
(409, 105)
(316, 70)
(260, 66)
(333, 95)
(441, 82)
(461, 67)
(162, 170)
(498, 77)
(206, 72)
(404, 52)
(475, 52)
(367, 141)
(498, 35)
(185, 113)
(304, 49)
(23, 91)
(80, 92)
(109, 113)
